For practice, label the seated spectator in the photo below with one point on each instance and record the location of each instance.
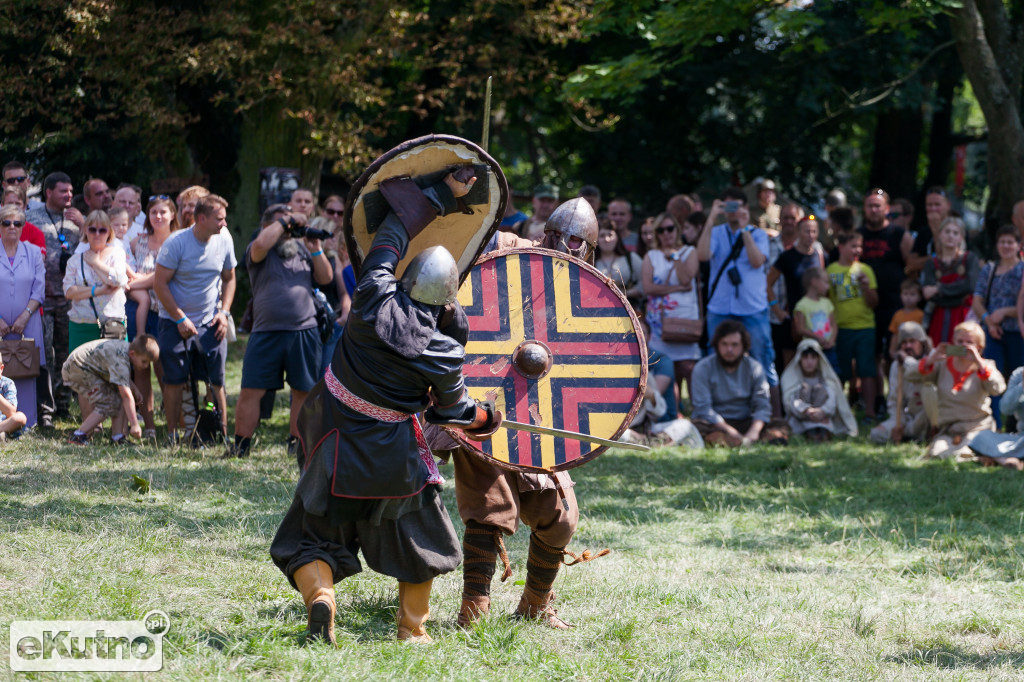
(948, 281)
(100, 372)
(995, 305)
(965, 381)
(650, 427)
(910, 296)
(729, 390)
(812, 396)
(814, 315)
(11, 420)
(920, 401)
(1005, 449)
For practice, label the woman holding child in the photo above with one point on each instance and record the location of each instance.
(94, 283)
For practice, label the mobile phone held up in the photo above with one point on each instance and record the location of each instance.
(956, 351)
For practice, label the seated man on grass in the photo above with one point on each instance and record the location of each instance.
(100, 372)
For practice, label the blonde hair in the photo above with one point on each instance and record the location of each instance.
(100, 219)
(975, 330)
(957, 224)
(661, 217)
(17, 190)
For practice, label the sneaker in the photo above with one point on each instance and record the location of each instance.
(123, 440)
(79, 439)
(46, 421)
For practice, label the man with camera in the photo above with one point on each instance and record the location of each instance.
(285, 261)
(60, 223)
(195, 282)
(738, 290)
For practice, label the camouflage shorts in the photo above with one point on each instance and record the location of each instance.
(102, 395)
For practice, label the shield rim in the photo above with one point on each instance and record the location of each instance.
(360, 184)
(470, 445)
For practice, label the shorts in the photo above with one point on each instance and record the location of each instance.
(207, 354)
(272, 355)
(859, 345)
(102, 395)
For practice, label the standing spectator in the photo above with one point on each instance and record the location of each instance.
(668, 274)
(142, 309)
(885, 249)
(284, 340)
(186, 203)
(901, 214)
(779, 302)
(680, 206)
(965, 381)
(545, 201)
(648, 240)
(814, 314)
(129, 197)
(1007, 449)
(14, 195)
(623, 267)
(593, 196)
(854, 292)
(97, 195)
(766, 214)
(1018, 219)
(337, 293)
(948, 281)
(995, 305)
(738, 251)
(910, 295)
(191, 268)
(60, 223)
(16, 175)
(731, 401)
(22, 279)
(304, 201)
(936, 209)
(94, 283)
(620, 213)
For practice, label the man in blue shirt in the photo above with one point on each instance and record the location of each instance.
(738, 252)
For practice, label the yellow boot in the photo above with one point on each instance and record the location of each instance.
(316, 583)
(413, 611)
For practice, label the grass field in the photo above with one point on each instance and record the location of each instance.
(837, 562)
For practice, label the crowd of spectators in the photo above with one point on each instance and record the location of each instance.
(762, 319)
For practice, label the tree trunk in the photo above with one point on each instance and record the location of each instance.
(979, 28)
(940, 138)
(898, 135)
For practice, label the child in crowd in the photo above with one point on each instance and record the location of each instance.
(965, 381)
(854, 292)
(812, 396)
(910, 295)
(10, 419)
(949, 278)
(120, 221)
(100, 372)
(814, 314)
(920, 406)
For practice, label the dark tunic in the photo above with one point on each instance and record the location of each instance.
(363, 474)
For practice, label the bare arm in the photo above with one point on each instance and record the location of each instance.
(128, 405)
(652, 289)
(704, 241)
(267, 239)
(754, 254)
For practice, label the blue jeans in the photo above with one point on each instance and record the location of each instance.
(760, 328)
(1008, 354)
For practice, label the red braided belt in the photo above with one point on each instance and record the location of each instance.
(364, 407)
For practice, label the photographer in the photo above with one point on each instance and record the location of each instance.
(284, 262)
(738, 290)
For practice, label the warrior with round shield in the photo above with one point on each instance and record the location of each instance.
(369, 481)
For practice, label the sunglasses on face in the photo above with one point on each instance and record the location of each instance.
(665, 230)
(97, 230)
(333, 213)
(161, 197)
(15, 223)
(16, 180)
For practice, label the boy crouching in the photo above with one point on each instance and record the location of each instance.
(100, 372)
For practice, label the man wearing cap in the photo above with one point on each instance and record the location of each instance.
(545, 200)
(369, 480)
(766, 213)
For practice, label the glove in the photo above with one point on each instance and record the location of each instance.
(488, 419)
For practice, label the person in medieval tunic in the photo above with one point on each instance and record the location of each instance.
(492, 500)
(369, 481)
(1005, 449)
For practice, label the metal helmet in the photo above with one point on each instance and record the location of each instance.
(574, 222)
(432, 277)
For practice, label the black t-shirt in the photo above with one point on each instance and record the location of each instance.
(923, 243)
(883, 254)
(792, 264)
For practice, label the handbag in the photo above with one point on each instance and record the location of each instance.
(21, 358)
(110, 327)
(682, 330)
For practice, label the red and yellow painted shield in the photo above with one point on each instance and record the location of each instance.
(554, 344)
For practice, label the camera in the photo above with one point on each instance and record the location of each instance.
(734, 276)
(732, 206)
(293, 229)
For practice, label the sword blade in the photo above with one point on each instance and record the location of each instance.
(487, 117)
(572, 435)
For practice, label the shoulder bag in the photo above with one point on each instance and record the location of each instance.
(682, 330)
(110, 328)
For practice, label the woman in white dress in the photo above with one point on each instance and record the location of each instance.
(669, 280)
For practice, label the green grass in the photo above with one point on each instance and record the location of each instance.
(844, 562)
